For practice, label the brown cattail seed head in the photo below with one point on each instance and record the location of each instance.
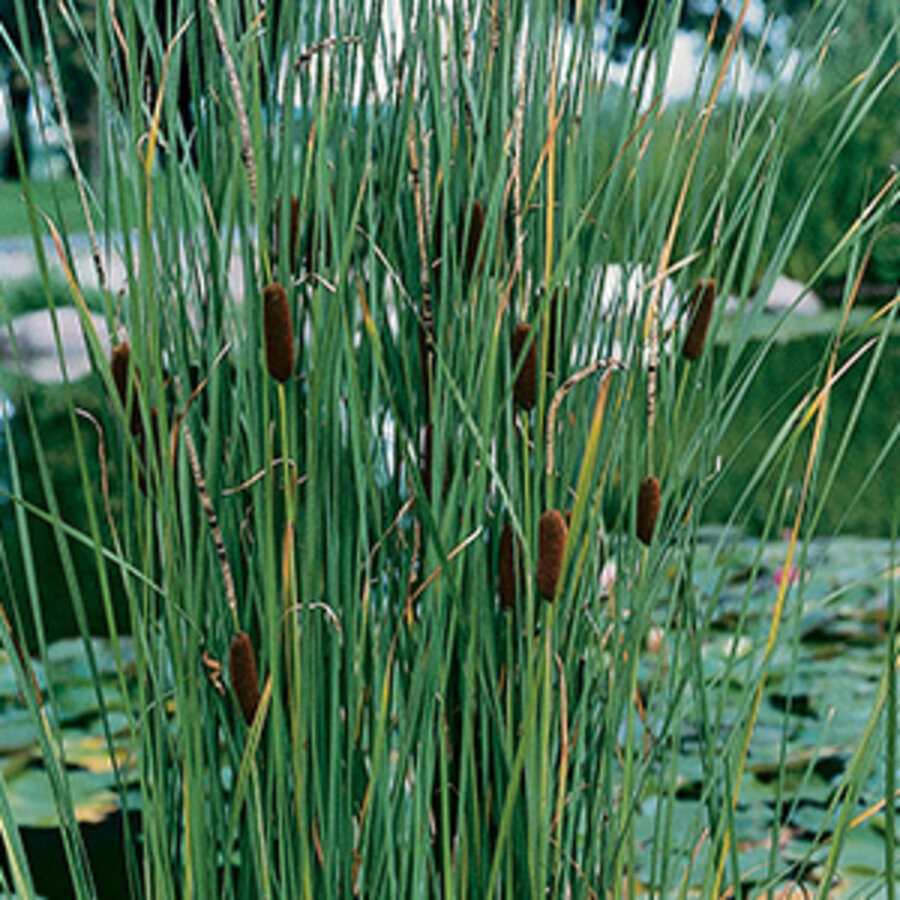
(648, 508)
(552, 534)
(510, 566)
(118, 365)
(279, 332)
(476, 226)
(244, 678)
(525, 388)
(701, 310)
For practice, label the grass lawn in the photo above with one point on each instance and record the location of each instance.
(51, 196)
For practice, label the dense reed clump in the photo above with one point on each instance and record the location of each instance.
(701, 310)
(393, 532)
(648, 508)
(552, 535)
(525, 387)
(279, 332)
(244, 675)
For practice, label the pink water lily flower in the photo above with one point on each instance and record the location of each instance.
(792, 574)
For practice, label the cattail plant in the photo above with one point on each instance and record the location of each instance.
(558, 303)
(293, 231)
(127, 389)
(469, 242)
(510, 567)
(244, 677)
(317, 237)
(473, 241)
(279, 332)
(148, 443)
(648, 508)
(701, 310)
(552, 534)
(118, 364)
(436, 750)
(125, 386)
(525, 388)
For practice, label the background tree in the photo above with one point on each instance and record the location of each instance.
(19, 31)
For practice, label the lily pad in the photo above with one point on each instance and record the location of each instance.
(33, 805)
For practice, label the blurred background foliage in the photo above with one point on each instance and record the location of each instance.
(863, 165)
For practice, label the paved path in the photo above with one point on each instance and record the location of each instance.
(18, 262)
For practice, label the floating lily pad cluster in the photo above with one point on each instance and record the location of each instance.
(90, 763)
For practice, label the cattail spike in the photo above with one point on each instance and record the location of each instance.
(552, 535)
(701, 308)
(476, 227)
(118, 364)
(244, 677)
(648, 509)
(511, 572)
(125, 385)
(279, 332)
(525, 388)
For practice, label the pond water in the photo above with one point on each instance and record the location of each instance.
(820, 694)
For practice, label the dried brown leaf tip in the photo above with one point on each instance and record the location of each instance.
(701, 310)
(648, 508)
(244, 677)
(525, 388)
(279, 332)
(552, 534)
(511, 571)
